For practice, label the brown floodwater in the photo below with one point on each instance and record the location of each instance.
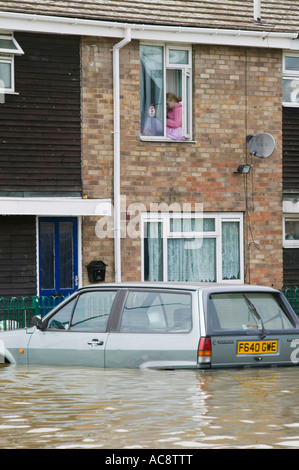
(86, 408)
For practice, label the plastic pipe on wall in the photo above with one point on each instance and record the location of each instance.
(116, 164)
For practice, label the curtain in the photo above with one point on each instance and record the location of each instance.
(290, 90)
(174, 82)
(192, 259)
(230, 250)
(151, 89)
(192, 224)
(153, 252)
(5, 74)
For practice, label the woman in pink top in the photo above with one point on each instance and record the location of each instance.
(174, 117)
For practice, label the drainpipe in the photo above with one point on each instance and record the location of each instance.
(257, 10)
(116, 117)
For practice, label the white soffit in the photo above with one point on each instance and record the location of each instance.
(53, 206)
(81, 27)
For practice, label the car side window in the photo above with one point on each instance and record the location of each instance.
(92, 311)
(157, 312)
(89, 312)
(61, 319)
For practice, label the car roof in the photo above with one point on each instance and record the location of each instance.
(215, 287)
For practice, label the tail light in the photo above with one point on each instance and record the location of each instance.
(205, 350)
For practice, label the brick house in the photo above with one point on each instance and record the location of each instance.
(85, 91)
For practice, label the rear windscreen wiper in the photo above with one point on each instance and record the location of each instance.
(257, 315)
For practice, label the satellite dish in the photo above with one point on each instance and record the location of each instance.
(261, 145)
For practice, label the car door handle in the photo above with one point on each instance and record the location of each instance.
(95, 342)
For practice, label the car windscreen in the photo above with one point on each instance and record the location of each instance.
(247, 311)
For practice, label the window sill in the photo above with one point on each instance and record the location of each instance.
(290, 244)
(164, 139)
(5, 93)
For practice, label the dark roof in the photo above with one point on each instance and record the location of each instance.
(278, 16)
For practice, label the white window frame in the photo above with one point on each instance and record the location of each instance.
(186, 93)
(7, 56)
(186, 76)
(8, 60)
(290, 75)
(219, 218)
(289, 243)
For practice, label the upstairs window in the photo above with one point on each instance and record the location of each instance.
(290, 79)
(165, 70)
(9, 47)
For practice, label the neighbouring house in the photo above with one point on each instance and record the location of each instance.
(92, 170)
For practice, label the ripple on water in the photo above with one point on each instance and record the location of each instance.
(47, 407)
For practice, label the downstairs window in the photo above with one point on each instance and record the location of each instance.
(195, 248)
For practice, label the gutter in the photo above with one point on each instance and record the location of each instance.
(192, 35)
(116, 161)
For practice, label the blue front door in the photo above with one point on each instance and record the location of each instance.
(58, 255)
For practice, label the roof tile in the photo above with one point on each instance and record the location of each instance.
(280, 16)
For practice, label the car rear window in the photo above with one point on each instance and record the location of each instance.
(247, 310)
(156, 312)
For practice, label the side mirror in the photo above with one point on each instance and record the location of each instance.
(37, 321)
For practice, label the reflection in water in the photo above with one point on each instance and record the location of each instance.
(48, 407)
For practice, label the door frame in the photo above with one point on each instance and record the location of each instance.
(79, 247)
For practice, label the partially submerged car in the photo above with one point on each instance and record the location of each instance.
(163, 326)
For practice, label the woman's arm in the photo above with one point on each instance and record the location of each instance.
(175, 117)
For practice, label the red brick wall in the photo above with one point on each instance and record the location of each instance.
(236, 92)
(97, 144)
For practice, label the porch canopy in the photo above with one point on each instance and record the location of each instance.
(54, 206)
